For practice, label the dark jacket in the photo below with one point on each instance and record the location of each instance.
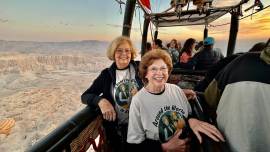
(213, 71)
(102, 87)
(204, 59)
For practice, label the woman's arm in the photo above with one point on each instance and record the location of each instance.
(184, 58)
(91, 96)
(190, 94)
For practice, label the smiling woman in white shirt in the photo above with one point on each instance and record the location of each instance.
(159, 111)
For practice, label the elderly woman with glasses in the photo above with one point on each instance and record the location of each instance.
(160, 111)
(112, 90)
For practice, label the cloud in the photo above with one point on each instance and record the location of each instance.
(3, 20)
(258, 27)
(65, 24)
(259, 21)
(114, 25)
(266, 28)
(219, 32)
(120, 26)
(264, 20)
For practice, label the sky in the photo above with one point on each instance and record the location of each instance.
(76, 20)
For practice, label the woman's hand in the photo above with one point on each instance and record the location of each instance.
(107, 110)
(175, 144)
(190, 94)
(211, 131)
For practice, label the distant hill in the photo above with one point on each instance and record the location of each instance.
(92, 46)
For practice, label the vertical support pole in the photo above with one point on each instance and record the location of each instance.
(205, 32)
(155, 35)
(233, 31)
(145, 33)
(129, 12)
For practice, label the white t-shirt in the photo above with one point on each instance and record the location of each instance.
(125, 87)
(157, 117)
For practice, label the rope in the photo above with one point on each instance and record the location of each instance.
(218, 25)
(120, 2)
(151, 29)
(239, 19)
(140, 21)
(254, 13)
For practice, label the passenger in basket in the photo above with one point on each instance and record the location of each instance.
(160, 110)
(221, 64)
(173, 51)
(158, 44)
(239, 98)
(112, 90)
(207, 57)
(187, 50)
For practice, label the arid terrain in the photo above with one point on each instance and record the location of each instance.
(42, 90)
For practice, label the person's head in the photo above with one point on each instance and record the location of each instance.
(121, 50)
(189, 45)
(157, 44)
(155, 67)
(148, 46)
(208, 41)
(258, 47)
(174, 44)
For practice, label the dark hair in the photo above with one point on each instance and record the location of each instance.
(158, 42)
(148, 60)
(148, 46)
(258, 47)
(188, 46)
(168, 45)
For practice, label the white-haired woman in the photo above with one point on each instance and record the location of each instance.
(112, 90)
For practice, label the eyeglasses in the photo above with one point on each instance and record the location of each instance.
(122, 50)
(156, 69)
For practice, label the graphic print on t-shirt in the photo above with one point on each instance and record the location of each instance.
(124, 90)
(170, 123)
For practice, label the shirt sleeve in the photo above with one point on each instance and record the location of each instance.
(184, 58)
(136, 132)
(91, 96)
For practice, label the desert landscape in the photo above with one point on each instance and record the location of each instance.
(41, 87)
